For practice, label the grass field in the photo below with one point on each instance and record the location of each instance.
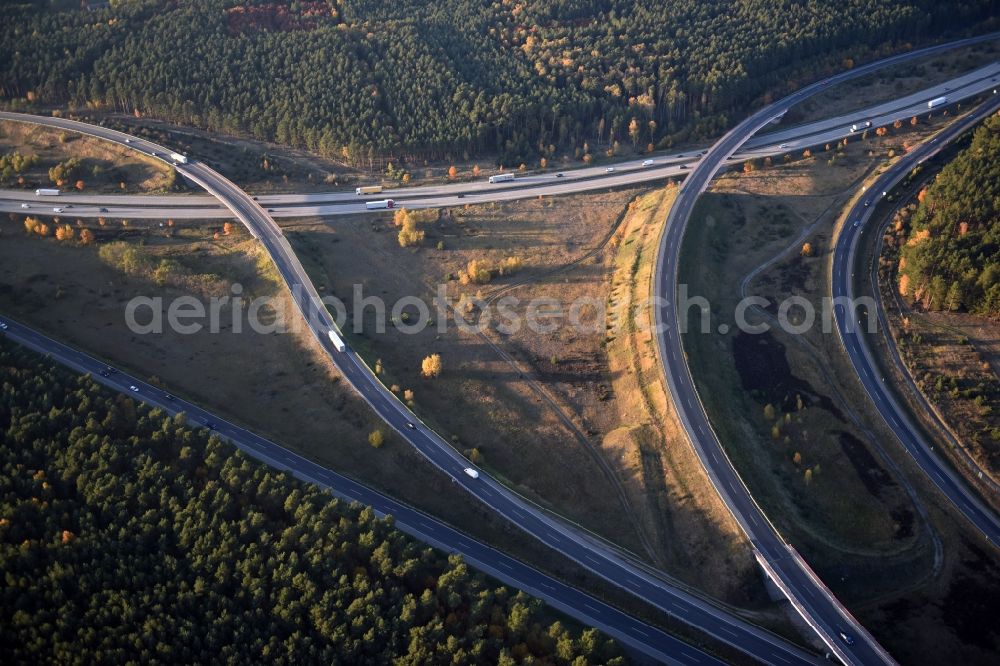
(858, 518)
(103, 167)
(495, 411)
(786, 427)
(281, 386)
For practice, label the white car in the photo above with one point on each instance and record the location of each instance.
(647, 163)
(783, 146)
(610, 169)
(25, 206)
(57, 210)
(3, 326)
(133, 388)
(128, 140)
(471, 472)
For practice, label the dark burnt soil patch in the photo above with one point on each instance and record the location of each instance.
(971, 609)
(765, 374)
(904, 522)
(873, 475)
(791, 279)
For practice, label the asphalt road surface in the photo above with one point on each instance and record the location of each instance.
(833, 623)
(853, 337)
(632, 172)
(808, 595)
(632, 633)
(598, 557)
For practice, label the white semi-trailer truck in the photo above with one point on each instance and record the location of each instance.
(381, 203)
(501, 178)
(46, 192)
(937, 101)
(335, 339)
(177, 157)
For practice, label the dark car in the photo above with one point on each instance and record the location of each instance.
(460, 195)
(102, 210)
(168, 396)
(559, 175)
(105, 373)
(210, 425)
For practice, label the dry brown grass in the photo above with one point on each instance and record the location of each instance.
(281, 386)
(115, 164)
(644, 436)
(481, 401)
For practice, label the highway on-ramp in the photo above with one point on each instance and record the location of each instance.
(598, 557)
(855, 343)
(828, 617)
(816, 604)
(632, 633)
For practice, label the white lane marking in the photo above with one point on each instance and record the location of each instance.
(726, 630)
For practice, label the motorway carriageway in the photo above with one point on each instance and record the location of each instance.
(602, 559)
(971, 84)
(853, 338)
(843, 635)
(599, 558)
(632, 633)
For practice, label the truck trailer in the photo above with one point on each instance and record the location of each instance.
(501, 178)
(46, 192)
(368, 189)
(381, 203)
(937, 101)
(177, 157)
(335, 339)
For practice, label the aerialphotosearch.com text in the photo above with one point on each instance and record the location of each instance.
(234, 313)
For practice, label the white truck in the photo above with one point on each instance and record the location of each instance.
(501, 178)
(381, 203)
(860, 126)
(937, 101)
(368, 189)
(335, 339)
(46, 192)
(178, 158)
(471, 472)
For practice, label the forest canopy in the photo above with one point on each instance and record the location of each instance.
(951, 259)
(127, 536)
(355, 78)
